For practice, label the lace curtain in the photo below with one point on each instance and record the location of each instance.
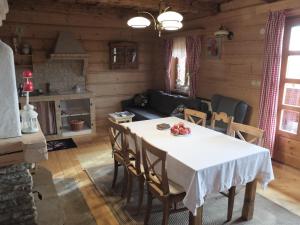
(179, 52)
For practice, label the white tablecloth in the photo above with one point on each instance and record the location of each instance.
(206, 161)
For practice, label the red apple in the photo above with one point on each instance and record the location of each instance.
(183, 131)
(188, 130)
(181, 124)
(175, 132)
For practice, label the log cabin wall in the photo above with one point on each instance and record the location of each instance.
(238, 72)
(40, 23)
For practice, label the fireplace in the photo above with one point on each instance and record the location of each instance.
(17, 155)
(16, 198)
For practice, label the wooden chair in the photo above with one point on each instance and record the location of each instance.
(159, 186)
(191, 115)
(134, 167)
(117, 140)
(255, 136)
(221, 117)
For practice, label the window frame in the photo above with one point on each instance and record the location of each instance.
(291, 22)
(175, 75)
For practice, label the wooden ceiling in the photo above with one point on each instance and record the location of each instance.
(204, 7)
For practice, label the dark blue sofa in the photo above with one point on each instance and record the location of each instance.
(162, 104)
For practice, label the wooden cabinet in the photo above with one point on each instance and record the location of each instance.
(66, 107)
(123, 55)
(76, 109)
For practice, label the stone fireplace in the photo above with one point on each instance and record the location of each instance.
(17, 155)
(16, 198)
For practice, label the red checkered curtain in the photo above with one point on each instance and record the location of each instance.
(193, 53)
(168, 58)
(271, 76)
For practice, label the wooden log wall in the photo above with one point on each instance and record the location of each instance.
(238, 73)
(40, 24)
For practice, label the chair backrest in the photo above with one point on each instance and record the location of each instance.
(132, 150)
(154, 162)
(222, 117)
(256, 134)
(117, 137)
(195, 116)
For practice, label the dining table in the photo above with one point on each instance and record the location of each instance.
(206, 162)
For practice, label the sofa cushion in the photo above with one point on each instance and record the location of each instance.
(144, 114)
(233, 107)
(189, 102)
(228, 105)
(241, 112)
(162, 102)
(215, 100)
(154, 99)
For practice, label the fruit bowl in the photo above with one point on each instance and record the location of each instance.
(179, 129)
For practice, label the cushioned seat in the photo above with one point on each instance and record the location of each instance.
(161, 104)
(144, 114)
(232, 107)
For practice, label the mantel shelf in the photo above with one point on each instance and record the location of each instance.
(30, 148)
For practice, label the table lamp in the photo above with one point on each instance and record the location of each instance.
(29, 121)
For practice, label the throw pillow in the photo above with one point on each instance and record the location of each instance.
(179, 111)
(140, 100)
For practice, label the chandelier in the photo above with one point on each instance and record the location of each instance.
(166, 20)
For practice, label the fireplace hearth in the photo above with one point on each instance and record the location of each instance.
(16, 199)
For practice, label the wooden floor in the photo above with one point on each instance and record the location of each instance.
(65, 164)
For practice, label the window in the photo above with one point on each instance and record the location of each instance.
(179, 57)
(289, 101)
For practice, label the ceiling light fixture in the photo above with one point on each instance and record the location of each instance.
(166, 20)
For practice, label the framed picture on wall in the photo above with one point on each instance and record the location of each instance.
(213, 47)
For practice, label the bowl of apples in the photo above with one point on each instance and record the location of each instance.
(179, 129)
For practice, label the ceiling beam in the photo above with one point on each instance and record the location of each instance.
(183, 6)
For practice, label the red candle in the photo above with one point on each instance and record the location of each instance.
(28, 86)
(27, 74)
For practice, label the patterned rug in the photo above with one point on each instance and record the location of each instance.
(62, 144)
(215, 209)
(62, 203)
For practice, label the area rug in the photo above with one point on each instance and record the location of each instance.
(62, 203)
(57, 145)
(215, 208)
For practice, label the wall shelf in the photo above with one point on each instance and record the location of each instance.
(75, 112)
(67, 132)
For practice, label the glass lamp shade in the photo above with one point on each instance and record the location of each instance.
(171, 25)
(170, 20)
(28, 86)
(27, 74)
(138, 22)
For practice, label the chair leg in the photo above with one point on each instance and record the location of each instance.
(129, 187)
(149, 207)
(166, 212)
(125, 180)
(231, 196)
(116, 166)
(141, 194)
